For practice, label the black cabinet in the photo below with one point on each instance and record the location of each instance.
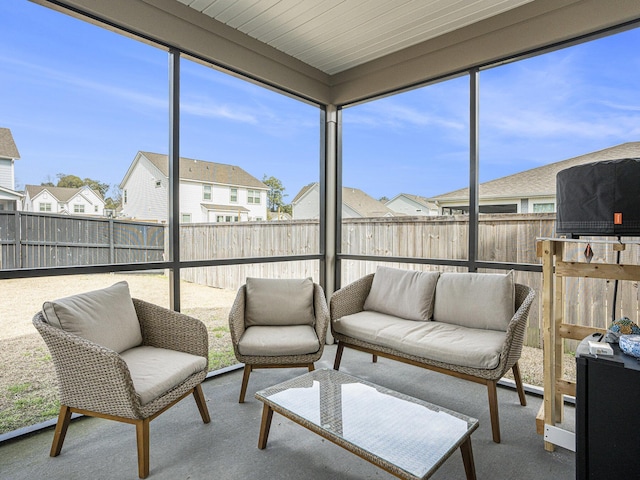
(607, 416)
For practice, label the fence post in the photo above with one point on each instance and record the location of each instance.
(17, 241)
(112, 248)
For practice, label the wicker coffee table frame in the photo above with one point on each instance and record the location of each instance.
(331, 383)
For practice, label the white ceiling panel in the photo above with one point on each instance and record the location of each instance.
(335, 35)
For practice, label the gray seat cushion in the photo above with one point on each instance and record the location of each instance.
(106, 317)
(442, 342)
(278, 341)
(155, 371)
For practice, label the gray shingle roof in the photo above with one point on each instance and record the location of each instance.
(540, 181)
(8, 147)
(355, 199)
(62, 194)
(202, 171)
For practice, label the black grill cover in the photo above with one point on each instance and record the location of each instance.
(601, 198)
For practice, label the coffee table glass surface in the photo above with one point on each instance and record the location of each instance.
(408, 437)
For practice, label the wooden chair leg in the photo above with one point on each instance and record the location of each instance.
(64, 418)
(245, 382)
(311, 367)
(519, 387)
(142, 437)
(493, 409)
(336, 362)
(202, 403)
(375, 358)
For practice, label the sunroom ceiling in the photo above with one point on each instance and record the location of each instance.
(340, 52)
(335, 35)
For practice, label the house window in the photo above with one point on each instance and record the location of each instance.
(45, 207)
(158, 183)
(185, 217)
(543, 208)
(206, 192)
(95, 208)
(124, 196)
(233, 197)
(253, 196)
(78, 209)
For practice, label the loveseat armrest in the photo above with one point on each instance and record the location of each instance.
(164, 328)
(90, 377)
(350, 299)
(517, 327)
(236, 316)
(321, 310)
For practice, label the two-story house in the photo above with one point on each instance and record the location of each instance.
(63, 200)
(209, 192)
(9, 198)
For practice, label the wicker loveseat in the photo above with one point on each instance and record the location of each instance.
(467, 325)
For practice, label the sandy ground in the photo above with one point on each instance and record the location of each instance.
(22, 298)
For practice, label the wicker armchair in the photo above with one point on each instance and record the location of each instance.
(285, 344)
(97, 381)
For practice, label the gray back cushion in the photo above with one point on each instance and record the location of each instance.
(406, 294)
(279, 302)
(106, 317)
(475, 300)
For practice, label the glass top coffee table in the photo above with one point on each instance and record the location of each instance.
(405, 436)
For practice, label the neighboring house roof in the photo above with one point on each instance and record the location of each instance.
(11, 193)
(61, 194)
(8, 148)
(202, 171)
(540, 181)
(303, 191)
(363, 204)
(356, 199)
(416, 198)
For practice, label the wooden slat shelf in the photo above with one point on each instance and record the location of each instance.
(555, 330)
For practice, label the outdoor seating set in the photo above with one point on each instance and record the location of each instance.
(124, 359)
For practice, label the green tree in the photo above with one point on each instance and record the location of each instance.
(275, 195)
(73, 181)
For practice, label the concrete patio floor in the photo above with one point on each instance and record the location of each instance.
(182, 447)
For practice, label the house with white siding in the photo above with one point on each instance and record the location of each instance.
(412, 205)
(530, 191)
(9, 198)
(355, 204)
(209, 192)
(63, 200)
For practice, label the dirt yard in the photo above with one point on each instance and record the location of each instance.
(27, 378)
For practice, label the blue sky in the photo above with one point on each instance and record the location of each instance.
(82, 100)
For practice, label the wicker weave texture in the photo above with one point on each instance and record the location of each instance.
(95, 378)
(237, 327)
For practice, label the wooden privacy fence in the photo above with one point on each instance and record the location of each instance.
(501, 238)
(35, 240)
(30, 240)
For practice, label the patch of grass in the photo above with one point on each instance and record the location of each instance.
(220, 332)
(20, 388)
(221, 358)
(28, 410)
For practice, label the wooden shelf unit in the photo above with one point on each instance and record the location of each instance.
(555, 330)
